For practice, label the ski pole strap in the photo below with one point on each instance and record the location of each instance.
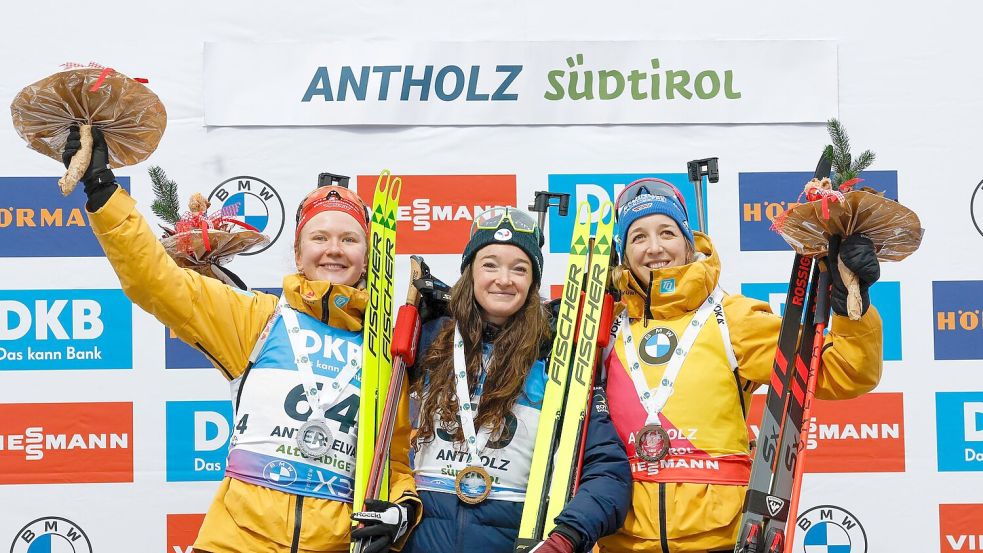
(655, 399)
(314, 398)
(465, 411)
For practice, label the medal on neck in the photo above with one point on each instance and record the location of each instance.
(473, 484)
(314, 438)
(652, 441)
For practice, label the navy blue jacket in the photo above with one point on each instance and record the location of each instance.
(598, 508)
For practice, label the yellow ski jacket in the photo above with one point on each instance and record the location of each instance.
(225, 323)
(691, 500)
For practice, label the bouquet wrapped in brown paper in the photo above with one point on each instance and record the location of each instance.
(130, 115)
(198, 241)
(834, 208)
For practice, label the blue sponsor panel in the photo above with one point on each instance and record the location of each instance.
(596, 187)
(959, 431)
(764, 196)
(198, 434)
(65, 330)
(958, 311)
(179, 355)
(37, 221)
(884, 295)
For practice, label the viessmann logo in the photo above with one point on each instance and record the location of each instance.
(765, 196)
(65, 329)
(58, 443)
(37, 221)
(960, 528)
(865, 434)
(958, 308)
(436, 211)
(182, 531)
(885, 296)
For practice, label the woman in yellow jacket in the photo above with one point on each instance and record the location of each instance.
(293, 364)
(697, 384)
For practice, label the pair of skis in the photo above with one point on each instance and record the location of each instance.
(557, 454)
(776, 473)
(377, 359)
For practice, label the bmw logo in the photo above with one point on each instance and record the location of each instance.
(656, 347)
(255, 203)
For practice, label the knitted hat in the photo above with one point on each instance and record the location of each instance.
(332, 198)
(506, 225)
(650, 196)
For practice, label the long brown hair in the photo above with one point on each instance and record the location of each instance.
(517, 347)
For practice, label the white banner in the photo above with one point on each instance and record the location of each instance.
(519, 83)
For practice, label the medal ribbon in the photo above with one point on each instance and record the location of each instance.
(314, 398)
(464, 411)
(655, 399)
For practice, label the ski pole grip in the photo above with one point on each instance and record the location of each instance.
(406, 334)
(607, 318)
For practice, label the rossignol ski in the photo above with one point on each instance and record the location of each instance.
(558, 437)
(377, 332)
(766, 507)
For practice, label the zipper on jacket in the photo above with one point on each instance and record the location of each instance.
(740, 395)
(325, 309)
(662, 518)
(214, 361)
(242, 383)
(298, 516)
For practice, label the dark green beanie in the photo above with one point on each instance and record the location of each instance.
(506, 234)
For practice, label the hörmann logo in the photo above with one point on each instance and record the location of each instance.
(37, 221)
(198, 435)
(885, 296)
(865, 434)
(436, 211)
(182, 530)
(595, 188)
(958, 309)
(51, 535)
(58, 443)
(959, 430)
(65, 329)
(765, 196)
(256, 203)
(960, 528)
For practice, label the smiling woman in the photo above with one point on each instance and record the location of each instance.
(483, 379)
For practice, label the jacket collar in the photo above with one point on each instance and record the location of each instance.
(673, 291)
(337, 305)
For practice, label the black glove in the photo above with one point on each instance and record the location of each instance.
(99, 180)
(858, 254)
(384, 524)
(435, 297)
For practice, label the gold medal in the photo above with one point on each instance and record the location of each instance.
(472, 485)
(652, 442)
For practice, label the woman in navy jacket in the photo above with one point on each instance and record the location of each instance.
(472, 461)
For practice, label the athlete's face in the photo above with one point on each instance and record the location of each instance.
(332, 247)
(654, 242)
(502, 275)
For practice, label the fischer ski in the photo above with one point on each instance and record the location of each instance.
(377, 332)
(558, 437)
(767, 504)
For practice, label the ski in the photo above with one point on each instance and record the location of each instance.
(533, 512)
(766, 506)
(376, 362)
(582, 374)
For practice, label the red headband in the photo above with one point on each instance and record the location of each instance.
(320, 205)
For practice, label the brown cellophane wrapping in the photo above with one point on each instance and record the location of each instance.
(130, 115)
(188, 248)
(894, 229)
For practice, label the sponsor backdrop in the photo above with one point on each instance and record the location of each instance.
(113, 434)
